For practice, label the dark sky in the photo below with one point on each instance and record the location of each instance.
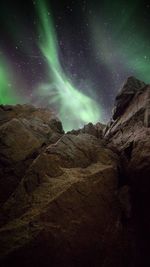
(100, 44)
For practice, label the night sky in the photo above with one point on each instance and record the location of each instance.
(72, 56)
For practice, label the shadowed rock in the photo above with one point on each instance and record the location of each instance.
(80, 198)
(129, 89)
(130, 133)
(24, 132)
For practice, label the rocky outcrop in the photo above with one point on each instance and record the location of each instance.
(130, 133)
(129, 89)
(66, 206)
(70, 219)
(80, 198)
(96, 130)
(24, 132)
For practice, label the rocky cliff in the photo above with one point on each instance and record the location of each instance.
(79, 198)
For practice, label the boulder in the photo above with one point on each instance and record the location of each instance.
(24, 131)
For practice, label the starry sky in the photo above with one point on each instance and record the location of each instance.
(72, 56)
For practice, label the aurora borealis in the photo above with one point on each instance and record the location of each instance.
(74, 107)
(72, 56)
(8, 94)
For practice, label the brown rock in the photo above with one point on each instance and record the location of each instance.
(83, 197)
(66, 209)
(130, 133)
(24, 131)
(95, 130)
(9, 112)
(17, 142)
(129, 89)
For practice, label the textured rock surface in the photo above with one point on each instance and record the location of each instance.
(24, 132)
(80, 198)
(130, 133)
(96, 130)
(129, 89)
(69, 213)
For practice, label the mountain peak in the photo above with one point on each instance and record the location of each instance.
(130, 87)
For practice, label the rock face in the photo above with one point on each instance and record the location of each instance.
(80, 198)
(129, 89)
(24, 132)
(96, 130)
(130, 133)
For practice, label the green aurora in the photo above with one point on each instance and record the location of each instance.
(119, 42)
(74, 107)
(119, 38)
(8, 94)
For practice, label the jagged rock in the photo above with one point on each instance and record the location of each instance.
(24, 131)
(66, 209)
(130, 133)
(82, 198)
(129, 89)
(69, 152)
(133, 120)
(90, 128)
(16, 141)
(9, 112)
